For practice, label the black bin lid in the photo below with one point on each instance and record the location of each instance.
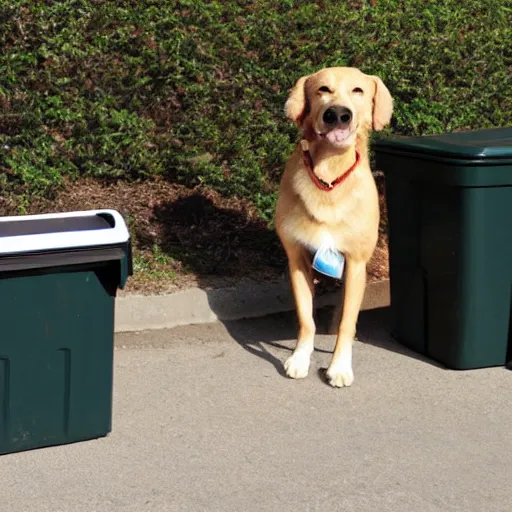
(58, 239)
(467, 156)
(493, 144)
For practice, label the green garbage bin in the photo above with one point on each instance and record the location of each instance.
(449, 200)
(59, 275)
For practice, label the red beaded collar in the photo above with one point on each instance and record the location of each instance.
(322, 185)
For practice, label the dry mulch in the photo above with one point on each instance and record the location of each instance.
(189, 237)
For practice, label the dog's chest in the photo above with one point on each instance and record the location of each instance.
(313, 234)
(331, 213)
(313, 238)
(327, 220)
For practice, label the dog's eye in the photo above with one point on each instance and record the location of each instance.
(357, 90)
(324, 88)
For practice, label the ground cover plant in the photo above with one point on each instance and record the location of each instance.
(177, 107)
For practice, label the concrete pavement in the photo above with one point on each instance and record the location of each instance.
(245, 300)
(205, 421)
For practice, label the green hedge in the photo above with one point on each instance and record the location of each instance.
(194, 90)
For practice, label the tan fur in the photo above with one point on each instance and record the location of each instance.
(348, 214)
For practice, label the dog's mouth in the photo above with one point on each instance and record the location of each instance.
(338, 136)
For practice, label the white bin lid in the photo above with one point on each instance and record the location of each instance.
(71, 230)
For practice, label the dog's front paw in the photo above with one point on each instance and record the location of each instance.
(297, 365)
(339, 377)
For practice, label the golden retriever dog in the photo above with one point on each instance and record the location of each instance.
(327, 205)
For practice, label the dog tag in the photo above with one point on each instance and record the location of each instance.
(329, 261)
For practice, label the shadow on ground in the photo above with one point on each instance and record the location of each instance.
(213, 239)
(257, 335)
(229, 241)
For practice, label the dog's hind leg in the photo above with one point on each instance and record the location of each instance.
(340, 371)
(301, 275)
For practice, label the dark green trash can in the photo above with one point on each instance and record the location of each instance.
(449, 200)
(58, 280)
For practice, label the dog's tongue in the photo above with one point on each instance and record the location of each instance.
(337, 135)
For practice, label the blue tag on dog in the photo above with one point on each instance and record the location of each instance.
(329, 261)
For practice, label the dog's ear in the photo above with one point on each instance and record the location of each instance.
(296, 106)
(382, 105)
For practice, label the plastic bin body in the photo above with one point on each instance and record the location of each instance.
(449, 202)
(56, 329)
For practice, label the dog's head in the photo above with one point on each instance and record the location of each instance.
(335, 104)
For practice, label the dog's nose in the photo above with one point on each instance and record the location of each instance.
(330, 116)
(334, 114)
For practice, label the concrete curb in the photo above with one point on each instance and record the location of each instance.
(247, 300)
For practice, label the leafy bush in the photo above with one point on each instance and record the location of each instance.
(194, 89)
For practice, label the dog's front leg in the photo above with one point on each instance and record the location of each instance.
(340, 371)
(297, 365)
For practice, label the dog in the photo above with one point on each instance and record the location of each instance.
(327, 197)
